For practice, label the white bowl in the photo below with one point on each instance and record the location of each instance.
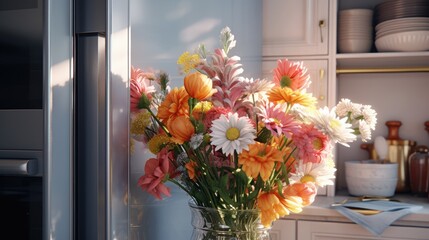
(371, 187)
(412, 41)
(368, 178)
(371, 169)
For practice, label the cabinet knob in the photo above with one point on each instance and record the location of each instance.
(321, 25)
(321, 73)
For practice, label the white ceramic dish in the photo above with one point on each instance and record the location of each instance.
(395, 22)
(392, 31)
(412, 41)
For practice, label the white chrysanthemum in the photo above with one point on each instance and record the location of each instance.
(370, 116)
(364, 130)
(321, 174)
(256, 89)
(345, 106)
(196, 140)
(336, 128)
(232, 133)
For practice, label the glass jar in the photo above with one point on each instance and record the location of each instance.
(419, 171)
(223, 224)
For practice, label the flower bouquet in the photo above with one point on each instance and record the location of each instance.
(239, 144)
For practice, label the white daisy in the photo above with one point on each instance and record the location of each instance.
(232, 133)
(336, 128)
(321, 174)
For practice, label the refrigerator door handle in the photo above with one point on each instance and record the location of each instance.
(23, 167)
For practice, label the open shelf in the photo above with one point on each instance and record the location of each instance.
(386, 60)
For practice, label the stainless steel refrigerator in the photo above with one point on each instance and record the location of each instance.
(64, 70)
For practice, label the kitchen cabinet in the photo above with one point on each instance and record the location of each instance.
(283, 229)
(295, 27)
(394, 83)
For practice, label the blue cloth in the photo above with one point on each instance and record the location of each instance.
(376, 223)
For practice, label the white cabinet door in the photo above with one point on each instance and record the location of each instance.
(309, 230)
(318, 70)
(283, 230)
(295, 27)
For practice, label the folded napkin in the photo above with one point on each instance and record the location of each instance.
(376, 223)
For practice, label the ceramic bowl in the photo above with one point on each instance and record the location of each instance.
(368, 178)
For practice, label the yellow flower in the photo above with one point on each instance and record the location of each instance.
(157, 142)
(291, 97)
(199, 86)
(174, 105)
(139, 122)
(259, 160)
(188, 61)
(203, 106)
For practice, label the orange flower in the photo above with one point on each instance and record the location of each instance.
(181, 129)
(190, 166)
(174, 105)
(306, 191)
(291, 97)
(259, 160)
(273, 206)
(199, 86)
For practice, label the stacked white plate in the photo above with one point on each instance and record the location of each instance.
(355, 31)
(402, 25)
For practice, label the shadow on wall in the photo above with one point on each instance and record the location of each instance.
(162, 31)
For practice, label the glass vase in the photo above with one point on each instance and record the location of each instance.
(222, 224)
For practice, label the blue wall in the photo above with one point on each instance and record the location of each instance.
(162, 30)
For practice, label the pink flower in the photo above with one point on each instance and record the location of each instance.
(140, 85)
(312, 144)
(291, 74)
(277, 121)
(214, 114)
(157, 171)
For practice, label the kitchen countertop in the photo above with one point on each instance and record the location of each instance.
(321, 210)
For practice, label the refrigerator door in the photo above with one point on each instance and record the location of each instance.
(101, 120)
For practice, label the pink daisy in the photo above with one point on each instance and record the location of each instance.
(277, 121)
(312, 144)
(291, 74)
